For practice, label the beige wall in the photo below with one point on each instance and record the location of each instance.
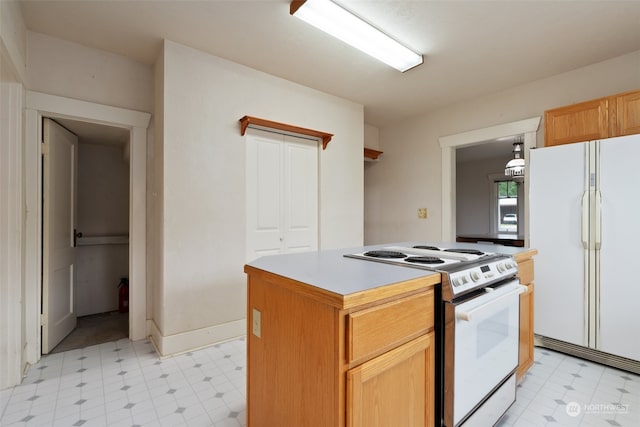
(195, 191)
(473, 195)
(63, 68)
(203, 173)
(13, 40)
(103, 210)
(409, 174)
(13, 48)
(155, 156)
(12, 232)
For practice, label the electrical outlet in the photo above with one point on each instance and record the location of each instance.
(257, 323)
(423, 213)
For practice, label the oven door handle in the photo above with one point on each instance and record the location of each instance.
(467, 315)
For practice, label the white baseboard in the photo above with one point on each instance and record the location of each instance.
(173, 345)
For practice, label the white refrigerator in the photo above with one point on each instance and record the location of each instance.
(584, 206)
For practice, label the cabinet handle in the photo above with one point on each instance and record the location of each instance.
(585, 220)
(598, 219)
(466, 315)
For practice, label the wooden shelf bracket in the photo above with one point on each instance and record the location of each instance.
(249, 121)
(370, 153)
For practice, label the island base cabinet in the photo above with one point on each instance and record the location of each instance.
(525, 359)
(293, 355)
(526, 332)
(395, 388)
(312, 362)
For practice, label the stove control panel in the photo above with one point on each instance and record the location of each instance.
(482, 274)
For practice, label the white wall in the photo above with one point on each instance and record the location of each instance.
(409, 174)
(103, 210)
(203, 199)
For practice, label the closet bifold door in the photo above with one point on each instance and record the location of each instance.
(281, 194)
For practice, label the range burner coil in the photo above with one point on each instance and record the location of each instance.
(424, 260)
(385, 254)
(431, 248)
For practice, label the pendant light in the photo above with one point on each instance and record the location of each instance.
(515, 167)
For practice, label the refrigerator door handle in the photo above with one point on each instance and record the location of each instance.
(585, 220)
(598, 219)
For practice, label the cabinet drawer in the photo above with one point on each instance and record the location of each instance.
(381, 328)
(525, 271)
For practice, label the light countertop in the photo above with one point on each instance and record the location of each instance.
(337, 276)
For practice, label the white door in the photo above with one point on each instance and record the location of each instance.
(282, 194)
(59, 219)
(300, 195)
(619, 287)
(557, 184)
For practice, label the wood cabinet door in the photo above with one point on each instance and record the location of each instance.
(526, 332)
(628, 114)
(585, 121)
(394, 389)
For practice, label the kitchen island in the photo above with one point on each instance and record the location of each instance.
(334, 341)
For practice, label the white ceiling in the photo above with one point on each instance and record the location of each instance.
(92, 133)
(500, 148)
(471, 48)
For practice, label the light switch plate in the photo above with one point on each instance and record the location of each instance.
(256, 320)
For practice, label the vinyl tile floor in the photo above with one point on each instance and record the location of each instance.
(565, 391)
(123, 383)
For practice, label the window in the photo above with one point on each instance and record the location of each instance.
(507, 206)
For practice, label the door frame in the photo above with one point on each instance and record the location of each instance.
(37, 106)
(448, 145)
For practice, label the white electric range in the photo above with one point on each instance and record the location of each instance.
(477, 351)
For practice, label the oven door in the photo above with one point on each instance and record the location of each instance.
(485, 348)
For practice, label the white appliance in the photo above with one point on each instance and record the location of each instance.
(477, 350)
(483, 354)
(584, 203)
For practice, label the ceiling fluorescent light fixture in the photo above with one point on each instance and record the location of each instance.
(341, 24)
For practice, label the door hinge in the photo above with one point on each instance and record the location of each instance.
(45, 149)
(42, 319)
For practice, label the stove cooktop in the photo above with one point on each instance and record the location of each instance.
(423, 256)
(463, 270)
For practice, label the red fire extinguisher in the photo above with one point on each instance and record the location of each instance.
(123, 295)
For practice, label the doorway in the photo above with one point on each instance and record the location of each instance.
(487, 201)
(449, 145)
(38, 105)
(101, 243)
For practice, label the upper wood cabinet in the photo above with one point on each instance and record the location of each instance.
(628, 113)
(607, 117)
